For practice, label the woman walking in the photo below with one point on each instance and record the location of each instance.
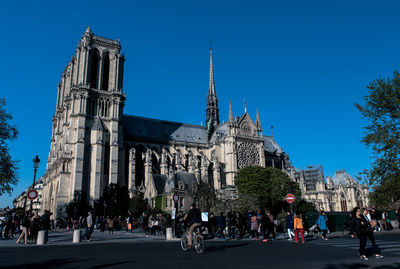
(322, 223)
(298, 228)
(362, 227)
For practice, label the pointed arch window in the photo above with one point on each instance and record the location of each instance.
(94, 68)
(106, 71)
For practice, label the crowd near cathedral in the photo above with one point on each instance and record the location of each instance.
(94, 144)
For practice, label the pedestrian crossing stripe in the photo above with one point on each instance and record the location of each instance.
(387, 246)
(392, 250)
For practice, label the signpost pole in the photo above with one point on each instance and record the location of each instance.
(175, 228)
(290, 199)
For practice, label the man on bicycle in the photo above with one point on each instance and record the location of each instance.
(194, 217)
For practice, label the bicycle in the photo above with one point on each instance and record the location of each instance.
(197, 241)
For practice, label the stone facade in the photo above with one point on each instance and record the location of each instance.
(341, 193)
(94, 144)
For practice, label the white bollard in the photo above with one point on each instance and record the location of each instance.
(77, 236)
(41, 239)
(168, 233)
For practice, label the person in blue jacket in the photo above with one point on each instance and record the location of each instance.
(322, 223)
(289, 225)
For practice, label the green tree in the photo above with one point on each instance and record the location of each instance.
(114, 202)
(8, 166)
(78, 205)
(268, 186)
(137, 205)
(205, 197)
(381, 108)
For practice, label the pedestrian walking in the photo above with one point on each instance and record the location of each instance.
(2, 224)
(290, 225)
(221, 223)
(110, 225)
(362, 228)
(212, 225)
(322, 223)
(270, 225)
(254, 227)
(25, 228)
(34, 227)
(298, 228)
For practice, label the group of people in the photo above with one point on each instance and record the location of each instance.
(26, 227)
(362, 226)
(235, 225)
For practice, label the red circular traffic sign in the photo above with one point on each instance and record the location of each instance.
(289, 198)
(175, 197)
(32, 194)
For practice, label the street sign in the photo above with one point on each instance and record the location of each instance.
(175, 197)
(32, 194)
(289, 198)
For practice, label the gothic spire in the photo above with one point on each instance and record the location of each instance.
(88, 32)
(258, 122)
(230, 112)
(211, 84)
(212, 112)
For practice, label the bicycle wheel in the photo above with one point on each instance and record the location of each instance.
(199, 244)
(184, 242)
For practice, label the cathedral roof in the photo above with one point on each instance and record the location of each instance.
(189, 180)
(270, 145)
(161, 130)
(343, 178)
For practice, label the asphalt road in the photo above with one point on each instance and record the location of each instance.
(332, 254)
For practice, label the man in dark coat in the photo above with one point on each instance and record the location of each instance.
(221, 223)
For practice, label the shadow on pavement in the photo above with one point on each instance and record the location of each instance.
(361, 265)
(47, 264)
(61, 263)
(108, 265)
(222, 248)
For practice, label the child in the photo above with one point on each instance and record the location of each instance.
(298, 228)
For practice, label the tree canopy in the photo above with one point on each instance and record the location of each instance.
(268, 186)
(114, 202)
(8, 166)
(381, 108)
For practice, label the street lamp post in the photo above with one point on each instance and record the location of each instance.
(36, 162)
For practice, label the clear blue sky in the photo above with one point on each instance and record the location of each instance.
(304, 63)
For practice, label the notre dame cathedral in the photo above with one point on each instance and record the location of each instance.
(94, 143)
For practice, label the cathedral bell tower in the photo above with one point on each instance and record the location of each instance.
(212, 112)
(87, 124)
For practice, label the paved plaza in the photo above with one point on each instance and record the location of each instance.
(122, 250)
